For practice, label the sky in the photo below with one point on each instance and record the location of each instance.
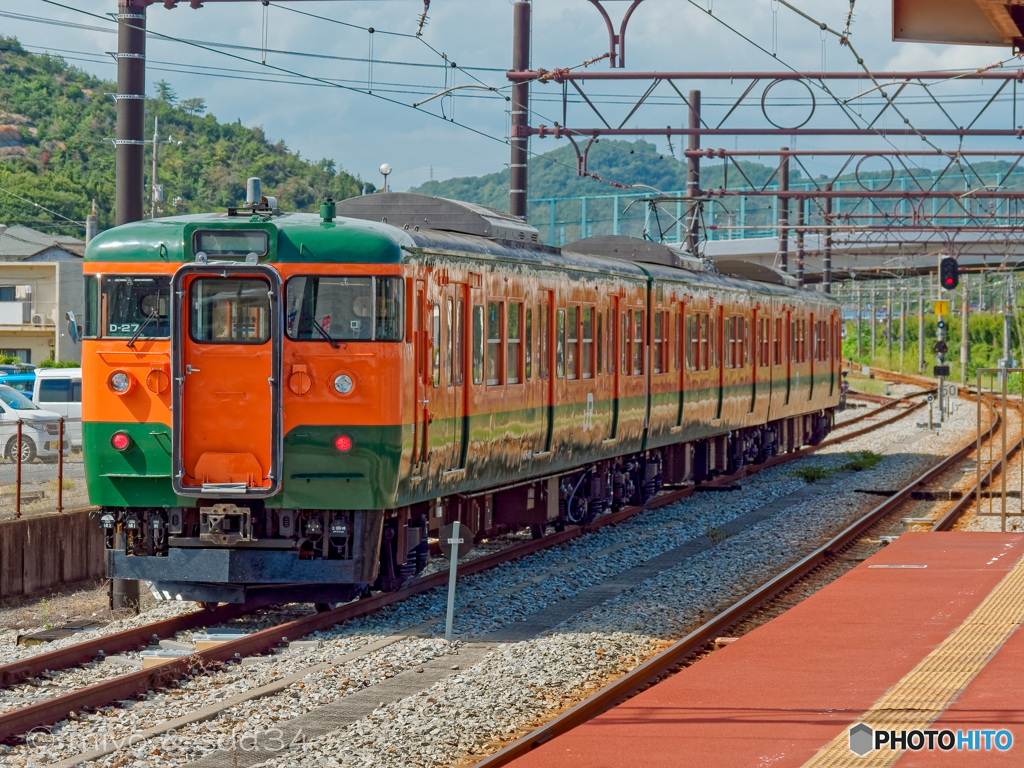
(265, 66)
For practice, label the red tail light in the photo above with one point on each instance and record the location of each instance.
(343, 443)
(121, 441)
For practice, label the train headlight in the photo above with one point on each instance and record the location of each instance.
(120, 382)
(343, 384)
(343, 443)
(120, 441)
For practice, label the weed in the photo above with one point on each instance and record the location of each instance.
(44, 606)
(716, 535)
(861, 460)
(812, 473)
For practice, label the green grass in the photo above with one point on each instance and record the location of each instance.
(861, 460)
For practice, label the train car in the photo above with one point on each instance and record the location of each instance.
(284, 406)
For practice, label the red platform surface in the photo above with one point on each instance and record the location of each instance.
(782, 692)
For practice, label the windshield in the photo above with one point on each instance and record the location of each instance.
(14, 399)
(345, 308)
(133, 301)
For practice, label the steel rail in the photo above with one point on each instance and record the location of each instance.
(668, 660)
(138, 683)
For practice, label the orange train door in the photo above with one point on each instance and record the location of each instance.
(226, 371)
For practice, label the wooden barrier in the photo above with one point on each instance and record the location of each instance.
(46, 552)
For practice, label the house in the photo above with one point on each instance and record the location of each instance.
(40, 281)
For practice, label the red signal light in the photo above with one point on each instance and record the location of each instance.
(343, 443)
(949, 273)
(120, 441)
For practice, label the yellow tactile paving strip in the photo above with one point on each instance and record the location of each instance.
(929, 688)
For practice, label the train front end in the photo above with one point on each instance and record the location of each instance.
(243, 408)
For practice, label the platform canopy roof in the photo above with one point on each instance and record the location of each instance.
(963, 22)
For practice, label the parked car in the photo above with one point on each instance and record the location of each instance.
(60, 390)
(39, 428)
(16, 368)
(23, 382)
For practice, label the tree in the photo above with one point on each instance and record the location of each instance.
(165, 93)
(194, 106)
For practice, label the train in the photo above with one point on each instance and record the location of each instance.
(286, 406)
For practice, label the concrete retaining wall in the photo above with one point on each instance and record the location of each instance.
(48, 551)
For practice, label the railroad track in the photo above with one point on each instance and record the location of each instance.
(136, 683)
(772, 597)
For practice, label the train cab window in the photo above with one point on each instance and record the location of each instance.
(515, 342)
(321, 308)
(560, 343)
(130, 305)
(493, 343)
(229, 311)
(572, 343)
(529, 343)
(543, 339)
(478, 344)
(638, 343)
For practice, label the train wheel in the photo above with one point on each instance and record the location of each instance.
(210, 606)
(325, 607)
(537, 531)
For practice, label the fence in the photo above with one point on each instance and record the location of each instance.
(34, 476)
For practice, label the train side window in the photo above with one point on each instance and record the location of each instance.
(587, 343)
(560, 343)
(777, 341)
(572, 343)
(730, 341)
(658, 342)
(638, 343)
(743, 345)
(529, 343)
(600, 341)
(435, 340)
(625, 342)
(417, 322)
(677, 348)
(715, 348)
(449, 350)
(493, 343)
(460, 335)
(478, 344)
(91, 321)
(515, 342)
(543, 339)
(610, 330)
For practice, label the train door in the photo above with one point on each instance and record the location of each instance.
(545, 355)
(681, 342)
(615, 365)
(790, 330)
(814, 353)
(453, 321)
(226, 369)
(717, 347)
(754, 334)
(421, 378)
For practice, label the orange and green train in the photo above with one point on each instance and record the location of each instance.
(287, 406)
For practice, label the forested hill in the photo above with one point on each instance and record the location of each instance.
(553, 174)
(56, 123)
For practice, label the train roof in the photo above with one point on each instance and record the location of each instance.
(387, 228)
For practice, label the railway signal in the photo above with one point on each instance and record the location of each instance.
(949, 273)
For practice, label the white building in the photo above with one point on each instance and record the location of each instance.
(40, 280)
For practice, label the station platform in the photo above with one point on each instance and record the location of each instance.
(920, 638)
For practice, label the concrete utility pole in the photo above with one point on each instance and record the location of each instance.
(1008, 324)
(903, 321)
(965, 342)
(920, 324)
(693, 177)
(784, 212)
(888, 320)
(131, 109)
(874, 314)
(860, 320)
(520, 136)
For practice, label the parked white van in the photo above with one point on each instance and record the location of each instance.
(60, 390)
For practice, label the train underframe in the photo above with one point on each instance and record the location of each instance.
(240, 551)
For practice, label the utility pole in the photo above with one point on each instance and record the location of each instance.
(131, 106)
(920, 324)
(874, 314)
(888, 321)
(903, 321)
(520, 136)
(965, 342)
(860, 320)
(693, 178)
